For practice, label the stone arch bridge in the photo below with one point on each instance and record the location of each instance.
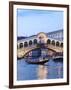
(51, 50)
(27, 45)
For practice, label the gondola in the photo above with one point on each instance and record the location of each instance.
(42, 61)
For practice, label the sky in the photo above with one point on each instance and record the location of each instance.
(30, 22)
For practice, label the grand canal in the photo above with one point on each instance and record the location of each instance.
(53, 69)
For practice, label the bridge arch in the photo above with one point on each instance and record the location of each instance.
(35, 49)
(61, 44)
(21, 45)
(57, 43)
(48, 41)
(35, 41)
(30, 42)
(53, 42)
(25, 44)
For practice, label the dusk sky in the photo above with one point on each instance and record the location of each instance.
(30, 22)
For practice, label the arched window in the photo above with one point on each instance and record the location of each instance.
(30, 42)
(61, 44)
(25, 44)
(21, 45)
(48, 41)
(57, 43)
(53, 42)
(35, 41)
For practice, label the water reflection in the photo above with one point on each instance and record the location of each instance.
(59, 69)
(42, 72)
(50, 70)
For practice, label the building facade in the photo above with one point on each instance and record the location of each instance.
(56, 35)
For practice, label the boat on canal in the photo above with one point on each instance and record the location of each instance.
(37, 61)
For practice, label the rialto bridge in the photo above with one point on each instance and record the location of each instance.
(42, 41)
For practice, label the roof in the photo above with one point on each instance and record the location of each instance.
(23, 37)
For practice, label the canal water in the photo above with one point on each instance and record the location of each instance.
(53, 69)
